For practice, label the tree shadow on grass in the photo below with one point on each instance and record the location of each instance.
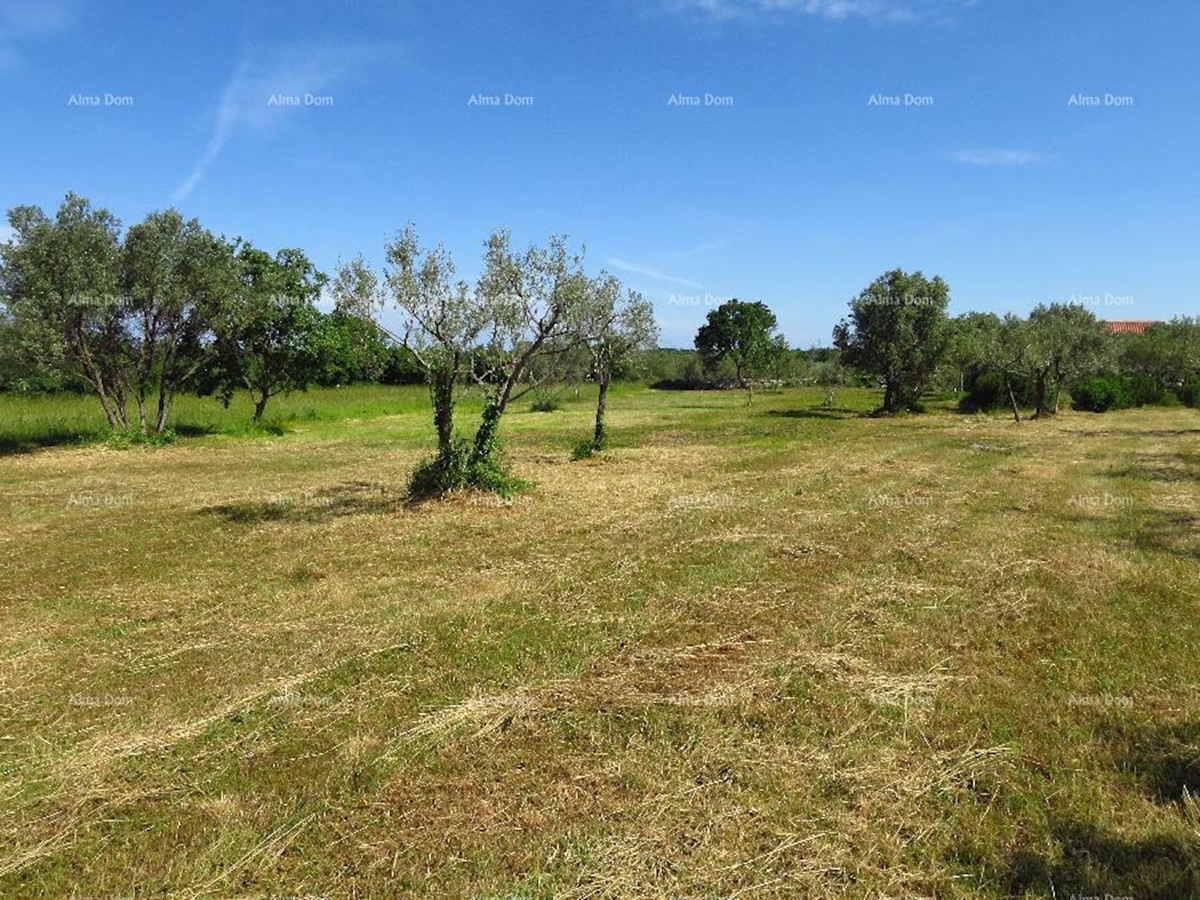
(1169, 531)
(347, 499)
(194, 430)
(819, 412)
(11, 445)
(1172, 467)
(1163, 760)
(1089, 861)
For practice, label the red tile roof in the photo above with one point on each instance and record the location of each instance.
(1129, 327)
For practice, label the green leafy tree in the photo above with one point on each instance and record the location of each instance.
(271, 339)
(1066, 341)
(534, 301)
(966, 340)
(1167, 352)
(443, 323)
(351, 350)
(742, 333)
(61, 281)
(179, 282)
(897, 331)
(1004, 346)
(616, 326)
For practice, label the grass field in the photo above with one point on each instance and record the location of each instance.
(778, 651)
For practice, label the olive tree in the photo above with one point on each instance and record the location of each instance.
(1065, 342)
(533, 301)
(444, 319)
(617, 324)
(1167, 352)
(61, 281)
(179, 281)
(897, 331)
(1004, 348)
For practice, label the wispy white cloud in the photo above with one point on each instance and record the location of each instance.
(651, 272)
(250, 99)
(877, 11)
(22, 20)
(702, 249)
(996, 157)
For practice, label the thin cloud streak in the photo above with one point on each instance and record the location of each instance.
(875, 11)
(23, 21)
(650, 272)
(227, 117)
(996, 157)
(245, 99)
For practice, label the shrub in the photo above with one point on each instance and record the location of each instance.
(545, 403)
(1189, 393)
(489, 475)
(585, 449)
(1100, 394)
(985, 392)
(1143, 389)
(440, 475)
(124, 438)
(443, 475)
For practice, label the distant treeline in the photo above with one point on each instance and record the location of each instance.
(138, 316)
(687, 369)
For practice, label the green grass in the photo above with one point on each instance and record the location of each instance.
(27, 423)
(779, 649)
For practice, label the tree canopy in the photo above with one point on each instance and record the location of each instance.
(897, 331)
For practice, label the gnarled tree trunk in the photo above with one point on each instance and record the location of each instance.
(598, 436)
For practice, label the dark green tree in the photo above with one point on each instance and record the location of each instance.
(61, 281)
(271, 336)
(897, 331)
(742, 333)
(1066, 341)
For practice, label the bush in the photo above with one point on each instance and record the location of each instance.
(124, 438)
(585, 449)
(985, 392)
(1145, 390)
(490, 475)
(439, 476)
(545, 404)
(1101, 393)
(1189, 393)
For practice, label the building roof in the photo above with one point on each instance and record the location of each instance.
(1129, 327)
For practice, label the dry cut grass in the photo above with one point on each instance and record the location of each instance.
(748, 652)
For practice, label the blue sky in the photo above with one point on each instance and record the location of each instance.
(798, 190)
